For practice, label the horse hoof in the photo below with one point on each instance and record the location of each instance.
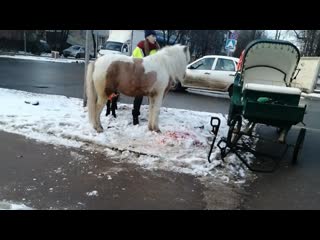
(99, 129)
(157, 131)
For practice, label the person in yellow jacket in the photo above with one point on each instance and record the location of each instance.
(144, 48)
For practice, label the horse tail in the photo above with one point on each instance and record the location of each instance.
(91, 93)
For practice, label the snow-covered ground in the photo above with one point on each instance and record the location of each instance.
(45, 58)
(182, 146)
(311, 95)
(13, 206)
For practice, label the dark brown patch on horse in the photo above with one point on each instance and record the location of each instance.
(129, 78)
(111, 86)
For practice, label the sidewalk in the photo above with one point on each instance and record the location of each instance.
(43, 56)
(21, 53)
(43, 176)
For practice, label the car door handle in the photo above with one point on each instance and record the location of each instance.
(232, 75)
(207, 73)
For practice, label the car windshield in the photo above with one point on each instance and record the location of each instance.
(75, 47)
(114, 46)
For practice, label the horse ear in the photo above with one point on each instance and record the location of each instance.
(187, 52)
(185, 49)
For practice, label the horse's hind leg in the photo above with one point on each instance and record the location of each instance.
(99, 107)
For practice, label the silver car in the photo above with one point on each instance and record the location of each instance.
(212, 72)
(76, 51)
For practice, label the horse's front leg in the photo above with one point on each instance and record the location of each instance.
(156, 112)
(99, 107)
(151, 113)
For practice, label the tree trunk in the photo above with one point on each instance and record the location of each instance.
(317, 52)
(310, 40)
(55, 40)
(63, 40)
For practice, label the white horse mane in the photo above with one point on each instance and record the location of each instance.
(174, 58)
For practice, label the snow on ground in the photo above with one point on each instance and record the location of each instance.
(43, 58)
(182, 146)
(93, 193)
(13, 206)
(311, 95)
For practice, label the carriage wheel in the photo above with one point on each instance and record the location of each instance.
(234, 130)
(298, 145)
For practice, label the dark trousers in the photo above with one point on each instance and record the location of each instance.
(112, 106)
(136, 106)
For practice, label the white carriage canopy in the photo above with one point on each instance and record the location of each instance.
(270, 63)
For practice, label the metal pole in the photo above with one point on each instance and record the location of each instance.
(87, 52)
(25, 42)
(131, 43)
(96, 43)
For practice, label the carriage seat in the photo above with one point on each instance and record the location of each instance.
(272, 89)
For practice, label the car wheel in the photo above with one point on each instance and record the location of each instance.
(177, 87)
(65, 55)
(77, 55)
(230, 91)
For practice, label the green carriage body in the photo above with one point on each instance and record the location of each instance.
(283, 109)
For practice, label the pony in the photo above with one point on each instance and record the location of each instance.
(152, 76)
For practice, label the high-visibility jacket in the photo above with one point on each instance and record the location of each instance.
(138, 52)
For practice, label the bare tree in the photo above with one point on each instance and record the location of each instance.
(178, 36)
(63, 39)
(57, 39)
(245, 37)
(278, 35)
(167, 36)
(204, 42)
(310, 40)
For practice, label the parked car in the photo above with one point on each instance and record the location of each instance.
(76, 51)
(212, 72)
